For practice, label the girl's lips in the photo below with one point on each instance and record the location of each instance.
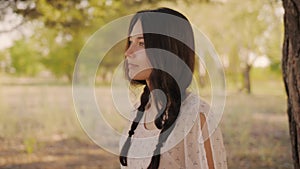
(130, 65)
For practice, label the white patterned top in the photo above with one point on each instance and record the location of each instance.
(184, 148)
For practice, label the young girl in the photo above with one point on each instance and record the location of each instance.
(169, 129)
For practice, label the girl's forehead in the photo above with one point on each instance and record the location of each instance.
(137, 29)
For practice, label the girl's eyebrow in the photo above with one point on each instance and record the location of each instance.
(136, 36)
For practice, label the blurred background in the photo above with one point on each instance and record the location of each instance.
(41, 39)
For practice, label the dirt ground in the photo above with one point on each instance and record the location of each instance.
(39, 130)
(63, 154)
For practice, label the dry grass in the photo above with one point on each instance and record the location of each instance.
(255, 130)
(39, 129)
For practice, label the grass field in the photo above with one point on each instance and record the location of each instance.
(39, 129)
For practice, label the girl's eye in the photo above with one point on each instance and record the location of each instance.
(142, 44)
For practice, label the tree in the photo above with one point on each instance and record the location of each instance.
(63, 26)
(249, 31)
(25, 58)
(62, 55)
(60, 31)
(274, 20)
(291, 72)
(245, 31)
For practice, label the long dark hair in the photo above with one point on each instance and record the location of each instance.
(167, 33)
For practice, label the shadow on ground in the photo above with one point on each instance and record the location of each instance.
(64, 154)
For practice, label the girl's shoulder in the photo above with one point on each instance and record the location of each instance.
(193, 102)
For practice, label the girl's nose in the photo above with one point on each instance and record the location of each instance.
(130, 51)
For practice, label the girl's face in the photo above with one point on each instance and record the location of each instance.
(139, 66)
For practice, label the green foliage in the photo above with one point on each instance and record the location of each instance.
(62, 56)
(65, 28)
(4, 61)
(30, 144)
(235, 28)
(25, 59)
(113, 58)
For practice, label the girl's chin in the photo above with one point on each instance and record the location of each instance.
(136, 77)
(132, 77)
(141, 75)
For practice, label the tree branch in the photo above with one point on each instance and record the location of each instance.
(13, 28)
(4, 6)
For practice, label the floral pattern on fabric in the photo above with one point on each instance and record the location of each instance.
(184, 148)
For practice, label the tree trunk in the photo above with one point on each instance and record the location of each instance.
(291, 72)
(246, 78)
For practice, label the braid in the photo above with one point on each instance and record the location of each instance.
(144, 100)
(167, 118)
(174, 83)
